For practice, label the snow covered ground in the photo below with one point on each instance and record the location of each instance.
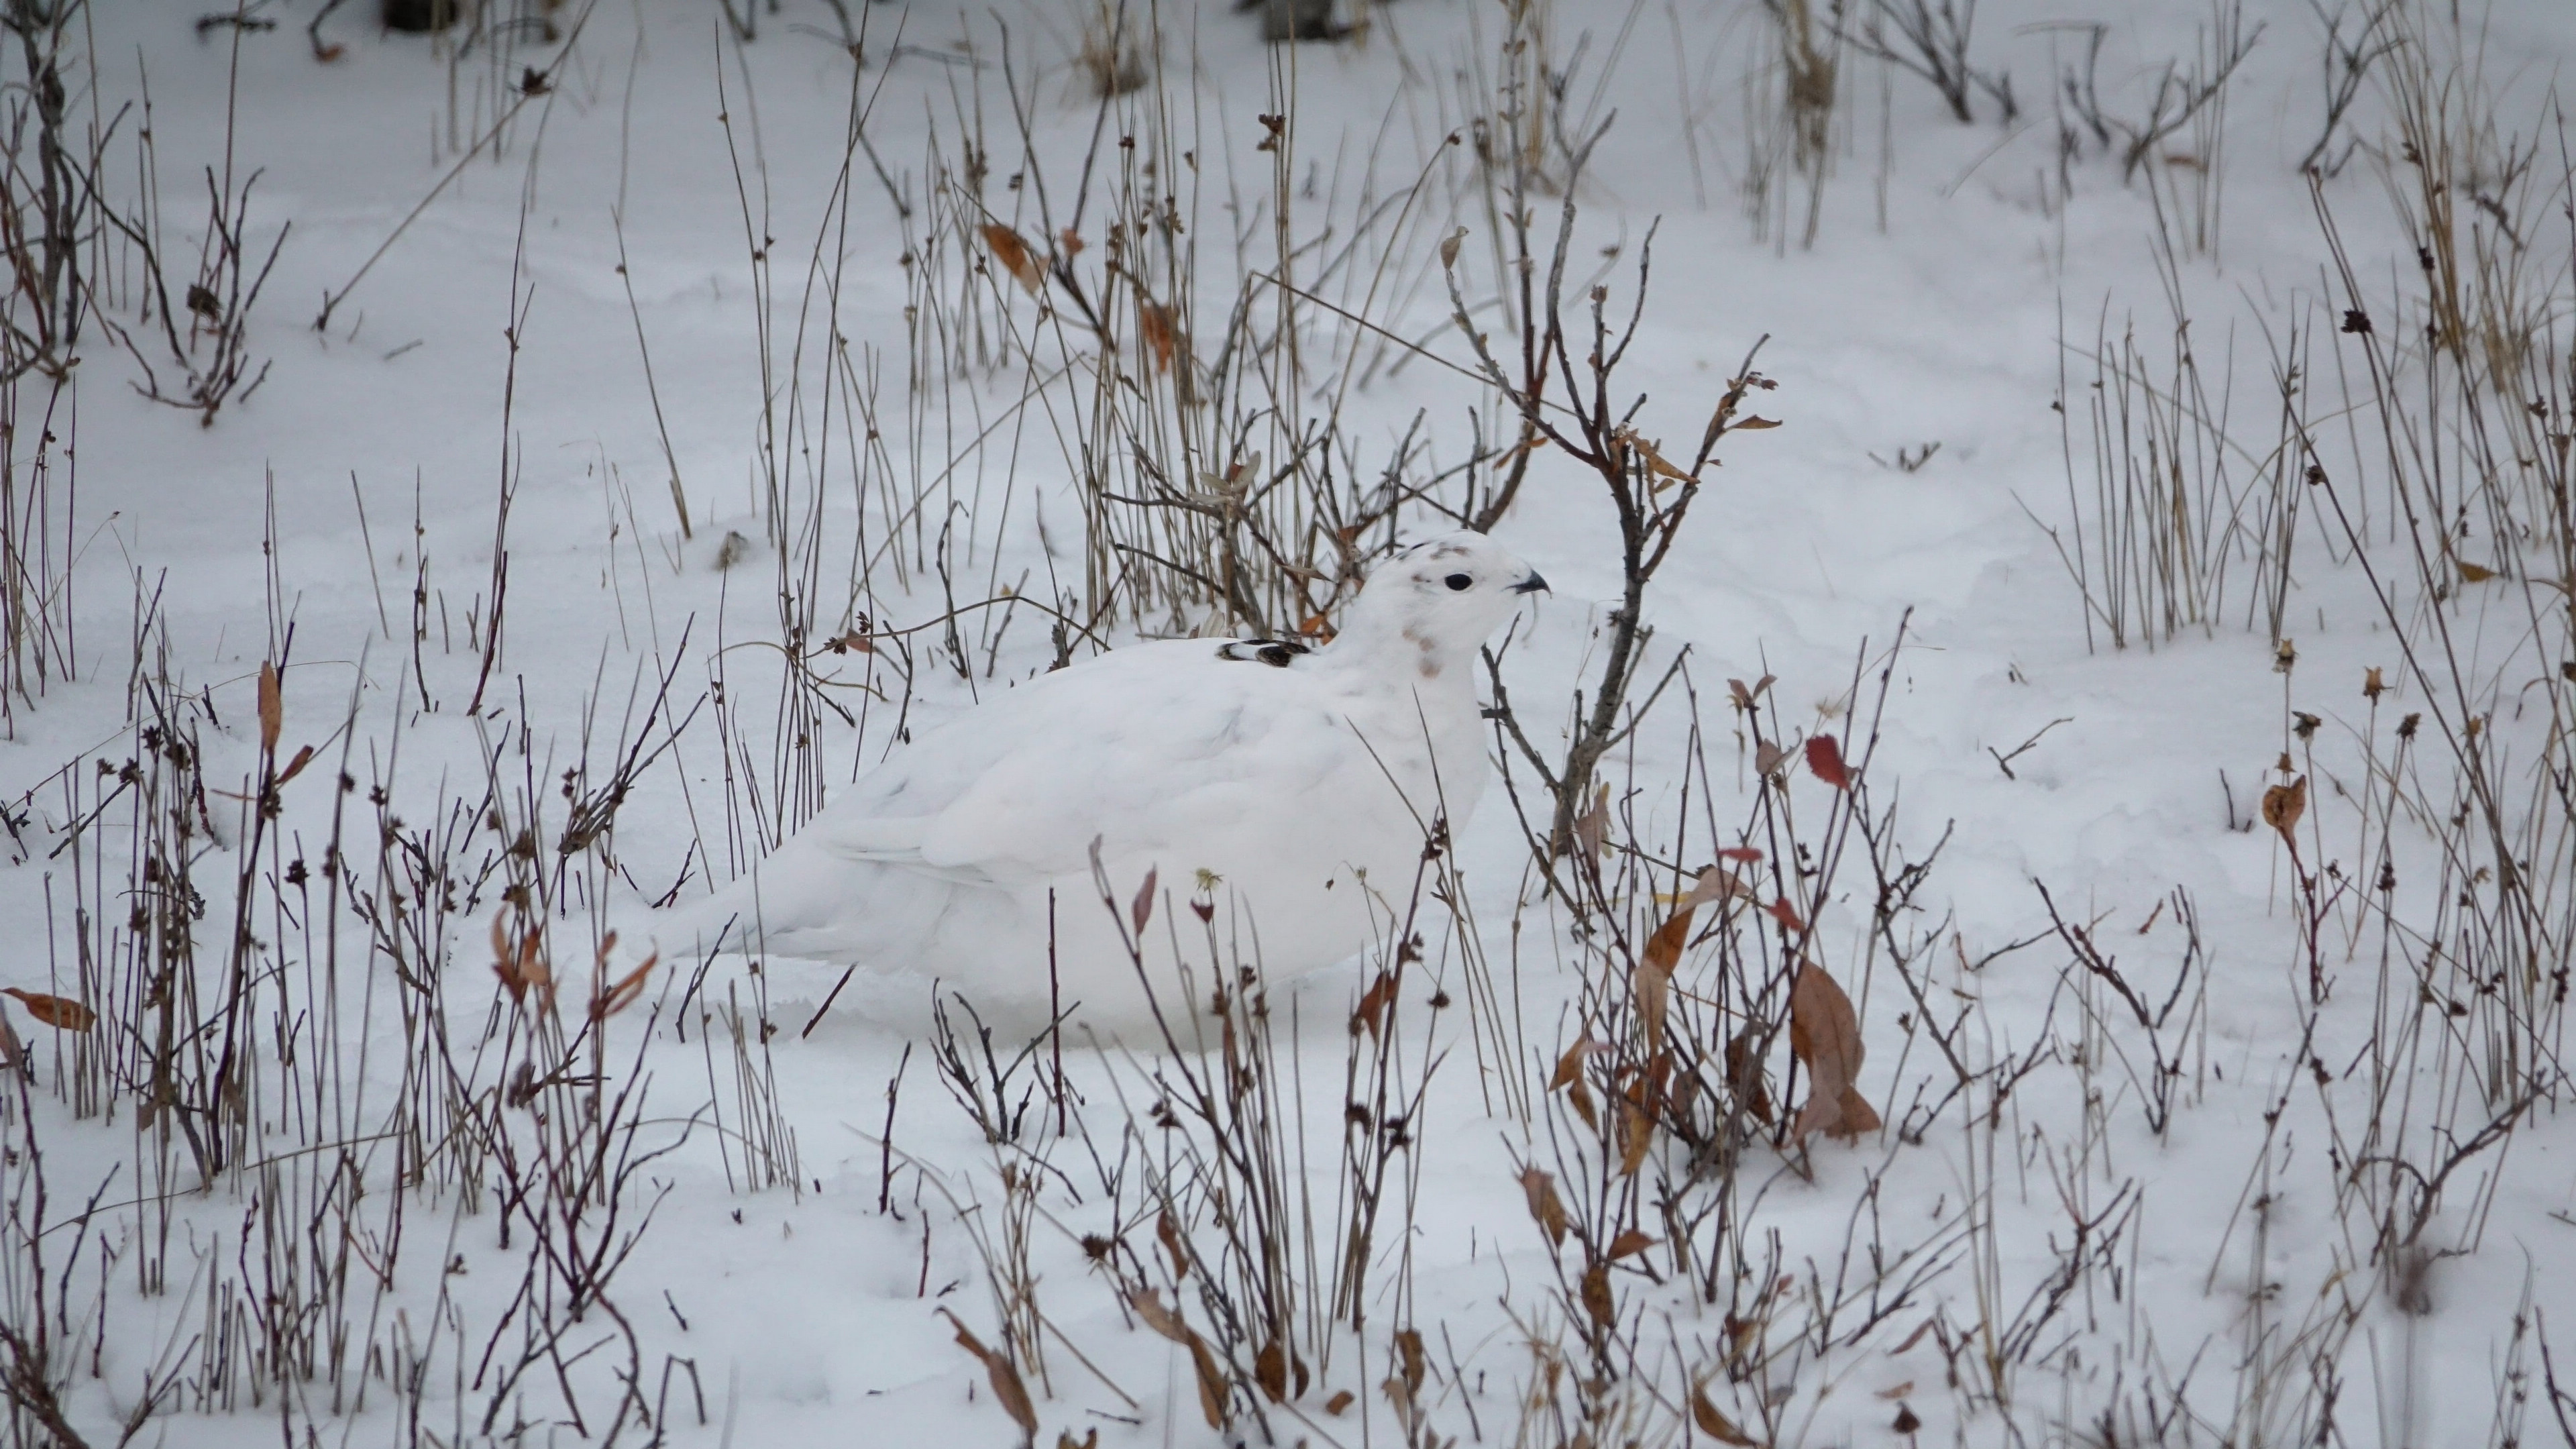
(695, 413)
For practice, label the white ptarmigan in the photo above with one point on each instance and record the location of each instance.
(1288, 789)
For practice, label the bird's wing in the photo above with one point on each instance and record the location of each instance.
(1152, 746)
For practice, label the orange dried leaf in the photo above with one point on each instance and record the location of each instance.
(1014, 255)
(1154, 321)
(622, 995)
(55, 1011)
(272, 708)
(2474, 573)
(2284, 804)
(1825, 761)
(295, 767)
(1373, 1004)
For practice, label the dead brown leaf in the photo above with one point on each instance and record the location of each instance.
(1213, 1384)
(1005, 1377)
(1544, 1206)
(1592, 827)
(1569, 1067)
(1417, 1364)
(1824, 1033)
(1744, 1074)
(1270, 1370)
(1597, 1298)
(1637, 1136)
(1714, 1424)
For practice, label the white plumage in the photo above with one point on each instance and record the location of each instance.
(1289, 790)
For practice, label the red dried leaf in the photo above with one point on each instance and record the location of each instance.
(1141, 909)
(1786, 914)
(1825, 761)
(1740, 854)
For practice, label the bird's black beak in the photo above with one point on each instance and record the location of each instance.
(1531, 585)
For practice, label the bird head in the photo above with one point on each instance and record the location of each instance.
(1441, 598)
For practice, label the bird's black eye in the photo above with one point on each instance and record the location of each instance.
(1459, 583)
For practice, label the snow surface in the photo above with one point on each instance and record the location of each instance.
(811, 1315)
